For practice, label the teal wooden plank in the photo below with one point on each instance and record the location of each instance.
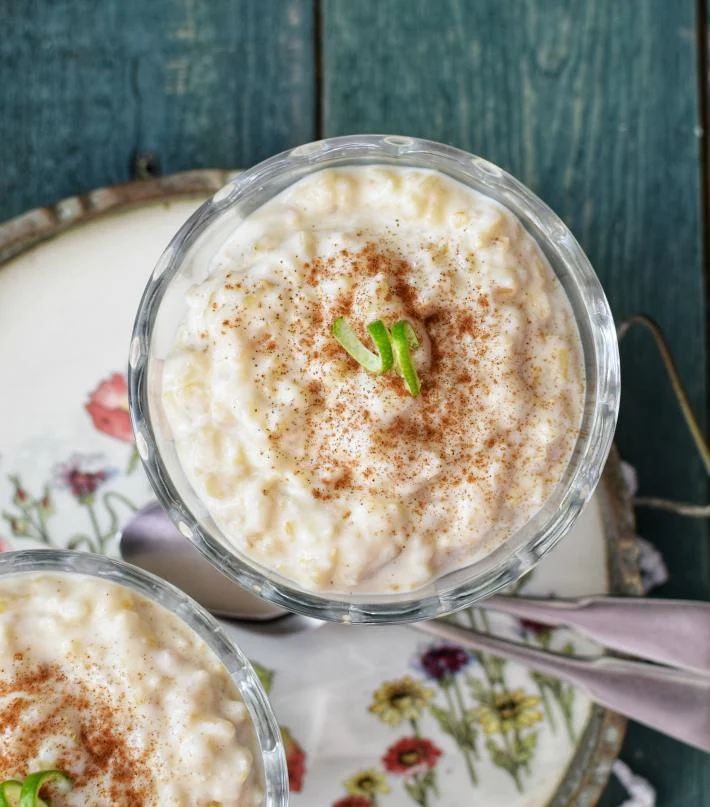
(594, 106)
(86, 85)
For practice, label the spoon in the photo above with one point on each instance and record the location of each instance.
(673, 701)
(672, 632)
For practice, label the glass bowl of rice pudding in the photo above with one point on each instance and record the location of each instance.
(374, 379)
(128, 687)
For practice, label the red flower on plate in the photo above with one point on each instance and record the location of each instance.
(295, 761)
(442, 661)
(353, 801)
(108, 407)
(411, 754)
(4, 544)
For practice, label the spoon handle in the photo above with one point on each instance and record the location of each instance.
(674, 632)
(674, 702)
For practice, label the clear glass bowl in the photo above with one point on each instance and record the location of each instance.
(186, 261)
(266, 731)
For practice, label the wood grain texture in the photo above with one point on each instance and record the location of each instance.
(595, 107)
(84, 86)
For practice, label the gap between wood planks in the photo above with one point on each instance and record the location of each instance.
(701, 21)
(318, 68)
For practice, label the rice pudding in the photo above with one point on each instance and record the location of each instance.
(117, 692)
(338, 478)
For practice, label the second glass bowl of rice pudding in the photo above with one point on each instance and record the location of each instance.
(129, 689)
(374, 379)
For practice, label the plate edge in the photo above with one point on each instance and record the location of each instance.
(607, 728)
(28, 229)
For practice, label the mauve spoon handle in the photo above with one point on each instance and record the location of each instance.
(674, 632)
(674, 702)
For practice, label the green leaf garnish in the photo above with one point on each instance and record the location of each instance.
(10, 793)
(26, 794)
(394, 348)
(378, 364)
(29, 796)
(404, 339)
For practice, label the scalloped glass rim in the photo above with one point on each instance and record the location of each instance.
(508, 562)
(266, 729)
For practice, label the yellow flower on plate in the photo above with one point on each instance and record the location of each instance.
(510, 710)
(366, 783)
(400, 700)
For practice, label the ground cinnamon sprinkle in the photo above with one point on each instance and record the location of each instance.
(461, 334)
(438, 421)
(93, 730)
(451, 471)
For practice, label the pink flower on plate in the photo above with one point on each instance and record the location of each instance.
(83, 475)
(411, 755)
(4, 545)
(108, 408)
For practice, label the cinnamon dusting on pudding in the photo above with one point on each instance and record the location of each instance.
(120, 695)
(428, 482)
(95, 746)
(459, 331)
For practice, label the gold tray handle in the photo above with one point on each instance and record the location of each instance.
(681, 508)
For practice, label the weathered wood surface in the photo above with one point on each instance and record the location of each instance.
(85, 86)
(594, 105)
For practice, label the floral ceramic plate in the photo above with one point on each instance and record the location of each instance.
(372, 717)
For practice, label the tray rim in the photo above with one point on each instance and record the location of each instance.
(587, 774)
